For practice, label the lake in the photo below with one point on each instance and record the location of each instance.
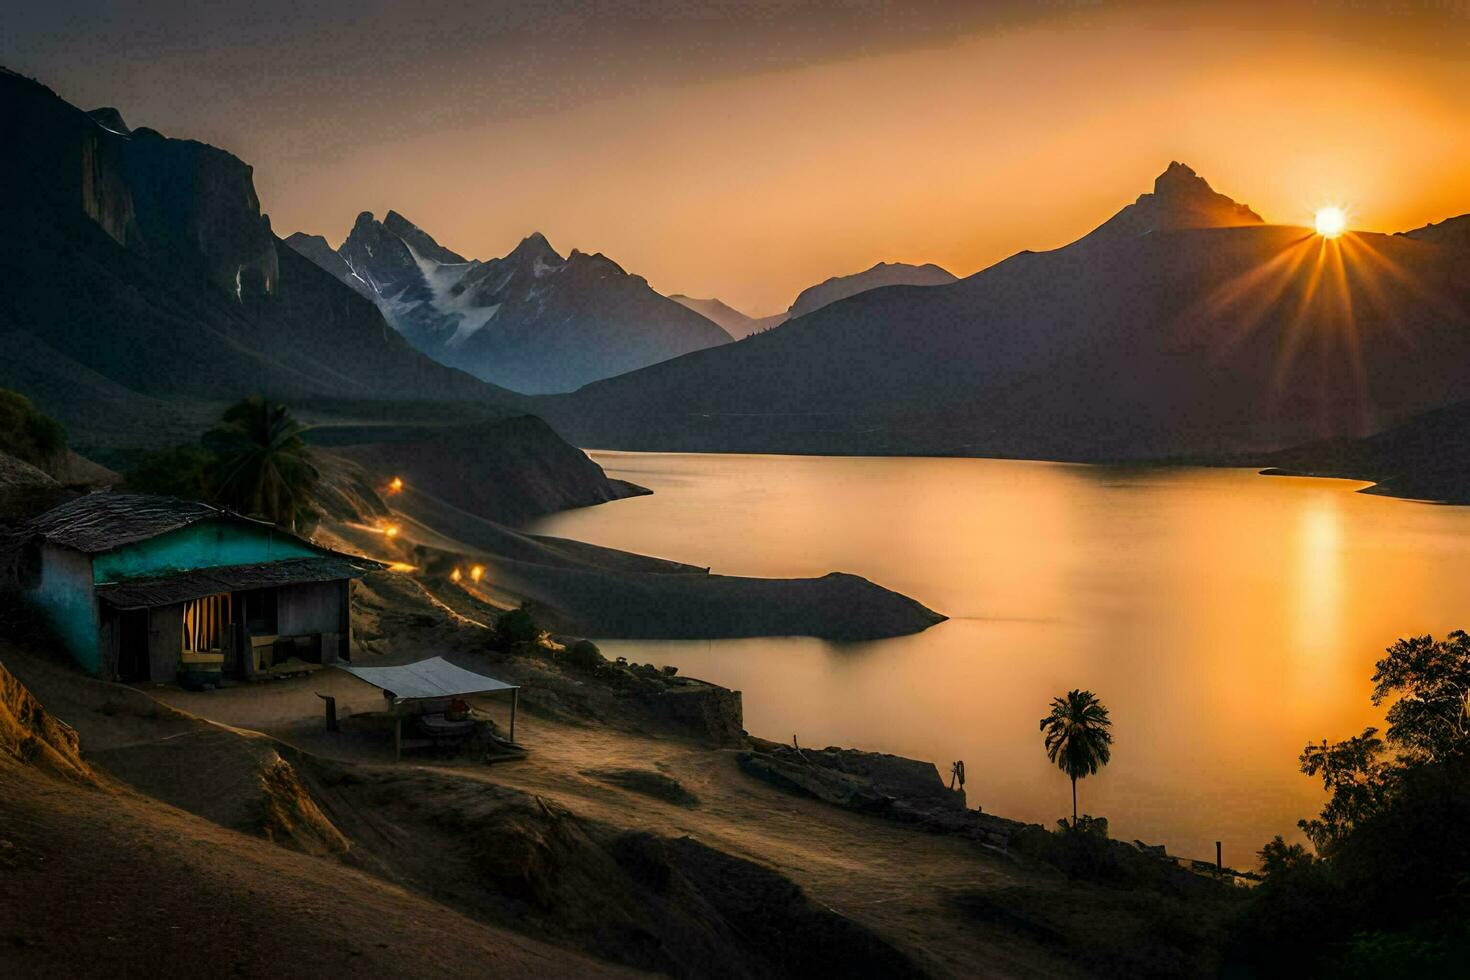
(1224, 617)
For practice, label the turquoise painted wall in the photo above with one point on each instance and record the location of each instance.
(65, 596)
(209, 544)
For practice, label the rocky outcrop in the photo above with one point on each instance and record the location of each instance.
(1181, 198)
(888, 786)
(196, 205)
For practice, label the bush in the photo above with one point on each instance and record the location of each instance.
(28, 435)
(516, 626)
(1083, 851)
(584, 655)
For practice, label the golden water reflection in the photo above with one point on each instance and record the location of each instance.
(1226, 618)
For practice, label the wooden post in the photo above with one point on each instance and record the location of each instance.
(331, 708)
(397, 737)
(515, 697)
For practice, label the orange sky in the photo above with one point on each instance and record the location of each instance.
(958, 149)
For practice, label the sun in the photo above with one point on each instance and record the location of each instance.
(1331, 222)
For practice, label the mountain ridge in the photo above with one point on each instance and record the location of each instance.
(1181, 325)
(145, 286)
(531, 320)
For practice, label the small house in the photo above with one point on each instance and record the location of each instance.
(157, 589)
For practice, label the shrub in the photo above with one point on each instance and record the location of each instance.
(516, 626)
(28, 435)
(584, 655)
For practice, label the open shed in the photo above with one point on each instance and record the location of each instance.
(423, 686)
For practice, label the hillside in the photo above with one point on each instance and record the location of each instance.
(143, 286)
(1425, 458)
(533, 320)
(1182, 325)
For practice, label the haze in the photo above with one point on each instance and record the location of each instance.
(746, 151)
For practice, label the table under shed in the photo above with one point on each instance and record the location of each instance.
(435, 679)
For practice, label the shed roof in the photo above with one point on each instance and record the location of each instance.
(200, 582)
(103, 520)
(432, 678)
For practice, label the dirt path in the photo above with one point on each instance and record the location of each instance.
(887, 876)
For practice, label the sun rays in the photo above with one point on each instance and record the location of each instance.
(1317, 301)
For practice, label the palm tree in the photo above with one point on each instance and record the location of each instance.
(1077, 737)
(263, 465)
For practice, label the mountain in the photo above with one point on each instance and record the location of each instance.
(534, 321)
(1182, 325)
(730, 320)
(883, 274)
(739, 325)
(1180, 199)
(143, 287)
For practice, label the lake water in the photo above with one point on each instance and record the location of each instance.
(1224, 617)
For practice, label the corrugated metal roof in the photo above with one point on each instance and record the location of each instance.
(201, 582)
(104, 520)
(432, 678)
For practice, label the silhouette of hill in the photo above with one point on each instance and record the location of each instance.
(1182, 325)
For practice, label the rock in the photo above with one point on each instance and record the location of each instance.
(890, 786)
(714, 714)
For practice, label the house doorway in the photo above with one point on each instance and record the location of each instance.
(132, 645)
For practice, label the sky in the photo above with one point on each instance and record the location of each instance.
(746, 150)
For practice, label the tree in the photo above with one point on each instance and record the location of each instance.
(1428, 723)
(1077, 737)
(1356, 778)
(264, 467)
(1431, 718)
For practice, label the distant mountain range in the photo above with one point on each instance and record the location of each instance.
(1182, 325)
(731, 320)
(143, 288)
(812, 298)
(533, 321)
